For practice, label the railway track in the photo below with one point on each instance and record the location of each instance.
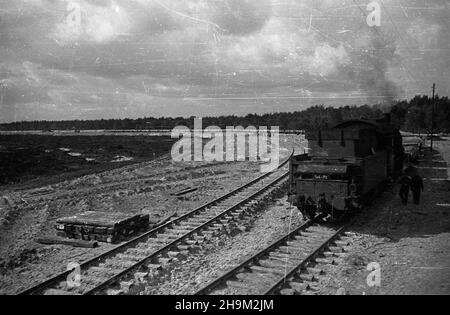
(158, 246)
(289, 266)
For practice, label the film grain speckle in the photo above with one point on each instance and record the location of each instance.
(199, 151)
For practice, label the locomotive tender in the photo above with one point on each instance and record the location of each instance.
(345, 168)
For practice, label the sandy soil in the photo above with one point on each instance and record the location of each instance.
(274, 221)
(26, 214)
(410, 243)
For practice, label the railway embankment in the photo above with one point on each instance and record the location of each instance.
(145, 188)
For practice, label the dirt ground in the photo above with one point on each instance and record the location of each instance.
(276, 220)
(410, 243)
(35, 160)
(28, 213)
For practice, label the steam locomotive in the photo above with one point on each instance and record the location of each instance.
(346, 167)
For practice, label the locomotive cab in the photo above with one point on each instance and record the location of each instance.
(328, 186)
(344, 168)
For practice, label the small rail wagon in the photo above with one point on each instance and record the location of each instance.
(413, 147)
(345, 168)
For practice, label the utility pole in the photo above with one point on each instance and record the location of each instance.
(432, 117)
(2, 89)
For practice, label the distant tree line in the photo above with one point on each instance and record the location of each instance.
(311, 118)
(416, 115)
(413, 115)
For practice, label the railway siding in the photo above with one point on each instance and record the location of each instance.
(291, 265)
(197, 225)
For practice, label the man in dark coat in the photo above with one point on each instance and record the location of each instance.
(405, 184)
(416, 188)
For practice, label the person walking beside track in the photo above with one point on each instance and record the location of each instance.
(405, 184)
(417, 188)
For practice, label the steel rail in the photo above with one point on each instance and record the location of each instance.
(305, 261)
(179, 240)
(144, 237)
(276, 286)
(232, 273)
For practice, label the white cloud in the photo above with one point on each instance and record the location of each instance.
(281, 47)
(89, 22)
(224, 48)
(426, 35)
(328, 59)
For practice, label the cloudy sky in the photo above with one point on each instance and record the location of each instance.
(88, 59)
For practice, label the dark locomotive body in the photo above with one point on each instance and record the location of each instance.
(345, 167)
